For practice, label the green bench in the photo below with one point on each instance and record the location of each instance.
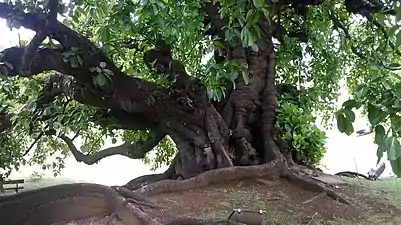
(12, 185)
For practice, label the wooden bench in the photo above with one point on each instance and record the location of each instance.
(14, 183)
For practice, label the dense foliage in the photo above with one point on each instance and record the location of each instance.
(298, 128)
(296, 123)
(340, 48)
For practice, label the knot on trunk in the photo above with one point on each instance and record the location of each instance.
(240, 133)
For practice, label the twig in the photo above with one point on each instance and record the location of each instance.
(263, 181)
(310, 221)
(337, 24)
(34, 142)
(273, 199)
(314, 198)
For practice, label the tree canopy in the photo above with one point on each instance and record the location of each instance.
(87, 76)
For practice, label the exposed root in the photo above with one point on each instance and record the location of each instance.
(145, 180)
(308, 184)
(77, 202)
(196, 221)
(314, 198)
(135, 198)
(69, 202)
(132, 215)
(213, 177)
(152, 178)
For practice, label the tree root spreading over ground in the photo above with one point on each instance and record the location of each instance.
(98, 204)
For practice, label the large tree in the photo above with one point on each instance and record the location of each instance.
(199, 74)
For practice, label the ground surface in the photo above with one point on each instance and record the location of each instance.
(374, 202)
(284, 203)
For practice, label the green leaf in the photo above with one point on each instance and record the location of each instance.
(47, 111)
(259, 3)
(80, 60)
(99, 80)
(344, 125)
(218, 44)
(108, 72)
(394, 148)
(252, 17)
(255, 47)
(397, 103)
(349, 114)
(251, 38)
(398, 90)
(379, 134)
(398, 40)
(398, 13)
(352, 103)
(31, 106)
(396, 166)
(245, 76)
(394, 65)
(244, 36)
(379, 154)
(74, 62)
(375, 114)
(361, 91)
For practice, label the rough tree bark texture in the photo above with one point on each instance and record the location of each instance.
(238, 131)
(210, 137)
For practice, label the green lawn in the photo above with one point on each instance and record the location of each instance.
(389, 188)
(45, 182)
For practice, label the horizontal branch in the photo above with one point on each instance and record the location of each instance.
(135, 150)
(67, 37)
(45, 59)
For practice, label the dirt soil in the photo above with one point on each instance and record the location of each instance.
(282, 201)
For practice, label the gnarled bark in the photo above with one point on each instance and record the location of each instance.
(68, 202)
(216, 141)
(237, 131)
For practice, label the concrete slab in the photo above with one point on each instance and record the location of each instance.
(331, 179)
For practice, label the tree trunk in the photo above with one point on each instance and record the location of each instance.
(239, 133)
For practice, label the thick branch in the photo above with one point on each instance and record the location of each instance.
(213, 18)
(108, 115)
(68, 38)
(5, 121)
(132, 150)
(43, 60)
(39, 38)
(122, 93)
(338, 25)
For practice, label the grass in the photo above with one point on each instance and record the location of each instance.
(32, 183)
(389, 189)
(36, 183)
